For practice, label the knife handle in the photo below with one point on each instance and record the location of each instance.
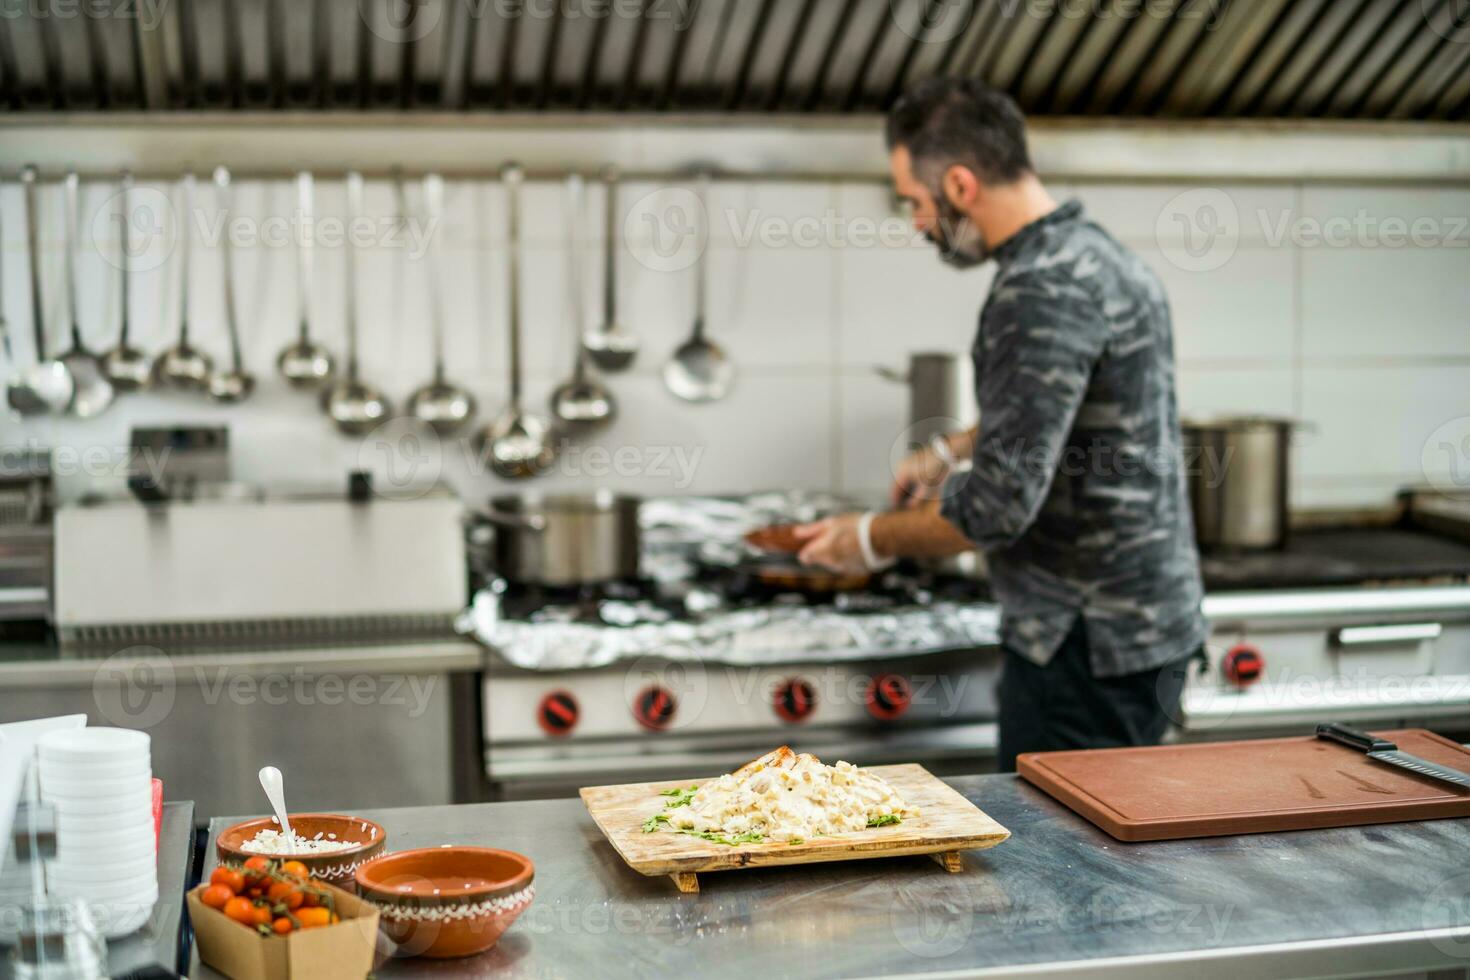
(1353, 738)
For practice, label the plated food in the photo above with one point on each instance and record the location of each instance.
(782, 797)
(331, 845)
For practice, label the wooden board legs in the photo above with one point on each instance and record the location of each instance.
(687, 881)
(950, 861)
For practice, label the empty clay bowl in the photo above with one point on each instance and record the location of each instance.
(336, 867)
(445, 902)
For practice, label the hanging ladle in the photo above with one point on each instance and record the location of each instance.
(354, 407)
(610, 346)
(128, 368)
(236, 384)
(443, 406)
(93, 391)
(519, 444)
(183, 365)
(46, 386)
(305, 364)
(699, 371)
(583, 403)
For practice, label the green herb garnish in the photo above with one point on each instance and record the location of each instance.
(884, 819)
(678, 797)
(796, 840)
(749, 837)
(651, 824)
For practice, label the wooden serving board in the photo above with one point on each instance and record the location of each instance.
(1214, 789)
(947, 824)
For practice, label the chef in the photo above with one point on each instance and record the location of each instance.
(1073, 484)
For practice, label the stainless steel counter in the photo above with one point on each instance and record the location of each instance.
(154, 949)
(408, 707)
(1058, 896)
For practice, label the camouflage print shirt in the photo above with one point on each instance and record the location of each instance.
(1077, 491)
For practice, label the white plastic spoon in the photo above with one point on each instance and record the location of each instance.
(275, 791)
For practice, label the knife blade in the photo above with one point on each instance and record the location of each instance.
(1382, 750)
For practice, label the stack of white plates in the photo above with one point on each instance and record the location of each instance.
(100, 781)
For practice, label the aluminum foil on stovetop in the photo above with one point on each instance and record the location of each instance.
(744, 637)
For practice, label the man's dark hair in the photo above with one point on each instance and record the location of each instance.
(947, 121)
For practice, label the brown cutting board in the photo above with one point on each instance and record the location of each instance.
(947, 824)
(1217, 789)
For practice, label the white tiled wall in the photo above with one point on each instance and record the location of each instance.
(812, 287)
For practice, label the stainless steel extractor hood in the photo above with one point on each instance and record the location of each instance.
(1189, 59)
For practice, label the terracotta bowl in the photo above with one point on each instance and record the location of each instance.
(445, 902)
(336, 867)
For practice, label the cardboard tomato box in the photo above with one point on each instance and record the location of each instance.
(343, 950)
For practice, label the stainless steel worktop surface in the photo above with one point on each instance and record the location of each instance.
(154, 949)
(1058, 895)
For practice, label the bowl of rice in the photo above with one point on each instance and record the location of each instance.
(331, 845)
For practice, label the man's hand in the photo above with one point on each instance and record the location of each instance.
(832, 543)
(919, 478)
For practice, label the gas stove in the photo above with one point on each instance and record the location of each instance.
(1364, 618)
(701, 667)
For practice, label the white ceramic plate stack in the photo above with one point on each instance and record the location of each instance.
(100, 781)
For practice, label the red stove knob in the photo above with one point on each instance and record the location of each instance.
(654, 707)
(795, 700)
(558, 713)
(889, 696)
(1243, 665)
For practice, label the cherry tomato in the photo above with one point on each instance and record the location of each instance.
(311, 900)
(229, 878)
(314, 917)
(240, 910)
(282, 926)
(285, 893)
(255, 870)
(296, 870)
(262, 914)
(215, 896)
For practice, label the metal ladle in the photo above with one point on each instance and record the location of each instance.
(699, 371)
(305, 364)
(610, 346)
(128, 368)
(183, 365)
(443, 406)
(93, 391)
(355, 407)
(236, 384)
(583, 403)
(46, 386)
(519, 444)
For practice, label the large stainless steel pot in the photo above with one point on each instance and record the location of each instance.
(563, 540)
(941, 394)
(1239, 481)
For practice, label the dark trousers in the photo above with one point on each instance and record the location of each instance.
(1064, 706)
